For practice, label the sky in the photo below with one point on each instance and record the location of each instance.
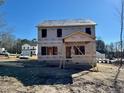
(24, 15)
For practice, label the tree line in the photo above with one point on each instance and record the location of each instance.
(11, 44)
(112, 50)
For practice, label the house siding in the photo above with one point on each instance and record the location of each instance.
(53, 40)
(52, 32)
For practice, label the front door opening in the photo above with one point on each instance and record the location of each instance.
(68, 52)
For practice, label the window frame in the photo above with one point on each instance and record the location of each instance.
(43, 50)
(59, 32)
(88, 30)
(44, 33)
(55, 51)
(49, 50)
(77, 52)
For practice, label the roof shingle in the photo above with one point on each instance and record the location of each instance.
(74, 22)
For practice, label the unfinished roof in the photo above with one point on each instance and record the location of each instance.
(76, 22)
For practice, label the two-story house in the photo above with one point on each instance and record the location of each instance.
(67, 40)
(29, 49)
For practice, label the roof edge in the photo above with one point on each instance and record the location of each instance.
(93, 37)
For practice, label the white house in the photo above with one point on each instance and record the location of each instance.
(66, 40)
(29, 49)
(100, 56)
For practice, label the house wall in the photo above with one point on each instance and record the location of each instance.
(50, 57)
(90, 53)
(53, 40)
(52, 32)
(26, 52)
(27, 49)
(34, 49)
(100, 56)
(89, 56)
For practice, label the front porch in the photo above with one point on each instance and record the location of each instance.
(79, 47)
(78, 52)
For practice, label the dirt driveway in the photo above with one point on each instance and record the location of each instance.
(35, 77)
(13, 58)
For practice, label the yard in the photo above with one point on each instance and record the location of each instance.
(36, 77)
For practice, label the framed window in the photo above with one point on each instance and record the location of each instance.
(76, 50)
(55, 51)
(88, 31)
(43, 51)
(82, 49)
(79, 50)
(59, 32)
(44, 33)
(49, 51)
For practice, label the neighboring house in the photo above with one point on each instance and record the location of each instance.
(100, 56)
(67, 40)
(29, 49)
(33, 49)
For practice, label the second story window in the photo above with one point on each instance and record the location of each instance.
(88, 31)
(59, 32)
(44, 33)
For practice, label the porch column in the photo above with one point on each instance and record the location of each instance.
(63, 58)
(72, 51)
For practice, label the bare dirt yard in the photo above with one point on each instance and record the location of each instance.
(36, 77)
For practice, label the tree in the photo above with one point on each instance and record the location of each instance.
(100, 46)
(17, 46)
(7, 40)
(121, 17)
(34, 41)
(25, 41)
(1, 2)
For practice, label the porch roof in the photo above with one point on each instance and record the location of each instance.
(79, 37)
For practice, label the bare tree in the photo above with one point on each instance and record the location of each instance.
(1, 2)
(7, 40)
(121, 33)
(120, 13)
